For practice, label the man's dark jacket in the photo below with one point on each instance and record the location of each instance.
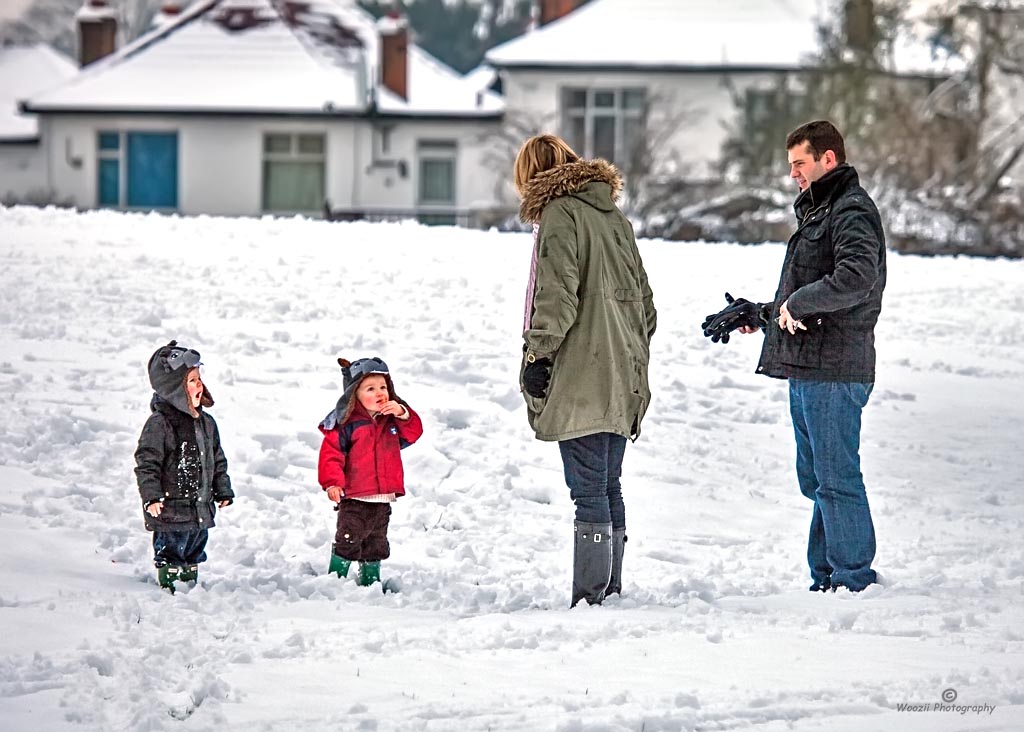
(832, 278)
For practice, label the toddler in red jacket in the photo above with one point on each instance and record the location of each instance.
(361, 466)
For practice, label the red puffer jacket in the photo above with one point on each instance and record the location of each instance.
(372, 465)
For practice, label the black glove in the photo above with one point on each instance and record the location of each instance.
(737, 314)
(536, 378)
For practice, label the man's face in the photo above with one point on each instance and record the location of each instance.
(804, 169)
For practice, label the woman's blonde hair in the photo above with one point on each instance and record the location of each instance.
(540, 153)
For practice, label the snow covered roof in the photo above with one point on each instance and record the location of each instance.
(685, 34)
(264, 57)
(25, 70)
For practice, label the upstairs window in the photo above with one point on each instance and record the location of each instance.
(605, 122)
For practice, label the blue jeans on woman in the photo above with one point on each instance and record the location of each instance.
(826, 421)
(593, 468)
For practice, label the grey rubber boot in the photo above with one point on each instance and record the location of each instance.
(591, 562)
(619, 540)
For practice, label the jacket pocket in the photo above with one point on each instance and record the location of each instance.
(177, 511)
(811, 251)
(534, 406)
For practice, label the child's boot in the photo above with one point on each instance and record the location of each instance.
(369, 572)
(189, 573)
(166, 575)
(338, 566)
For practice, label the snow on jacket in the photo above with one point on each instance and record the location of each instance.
(179, 461)
(372, 464)
(833, 277)
(593, 311)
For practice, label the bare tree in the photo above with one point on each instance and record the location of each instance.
(500, 153)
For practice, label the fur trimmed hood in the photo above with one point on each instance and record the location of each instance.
(566, 180)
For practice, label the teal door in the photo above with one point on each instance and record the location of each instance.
(152, 170)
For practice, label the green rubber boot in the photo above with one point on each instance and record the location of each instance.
(189, 573)
(369, 572)
(339, 566)
(166, 576)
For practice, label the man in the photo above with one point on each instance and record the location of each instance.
(820, 336)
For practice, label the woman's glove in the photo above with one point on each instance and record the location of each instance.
(536, 377)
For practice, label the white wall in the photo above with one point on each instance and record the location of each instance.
(698, 106)
(22, 171)
(220, 160)
(382, 186)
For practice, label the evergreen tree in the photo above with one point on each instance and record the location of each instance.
(460, 32)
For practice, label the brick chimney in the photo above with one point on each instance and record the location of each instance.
(859, 25)
(552, 10)
(97, 31)
(394, 53)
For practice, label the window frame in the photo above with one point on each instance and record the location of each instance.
(613, 107)
(118, 155)
(294, 154)
(434, 151)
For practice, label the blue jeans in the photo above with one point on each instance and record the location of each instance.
(593, 467)
(826, 421)
(180, 548)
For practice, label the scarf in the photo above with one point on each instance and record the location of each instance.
(532, 283)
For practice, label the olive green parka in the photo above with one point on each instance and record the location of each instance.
(592, 309)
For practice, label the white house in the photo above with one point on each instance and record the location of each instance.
(671, 71)
(245, 107)
(25, 70)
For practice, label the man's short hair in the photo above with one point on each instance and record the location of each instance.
(820, 135)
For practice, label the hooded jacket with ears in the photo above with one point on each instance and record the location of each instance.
(179, 459)
(593, 311)
(361, 454)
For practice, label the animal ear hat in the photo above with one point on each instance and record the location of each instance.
(352, 373)
(167, 369)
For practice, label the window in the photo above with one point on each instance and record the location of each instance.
(769, 115)
(109, 169)
(436, 172)
(137, 169)
(605, 123)
(293, 172)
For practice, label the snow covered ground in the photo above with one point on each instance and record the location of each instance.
(715, 629)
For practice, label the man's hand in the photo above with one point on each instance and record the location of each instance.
(155, 508)
(739, 314)
(335, 493)
(536, 377)
(787, 321)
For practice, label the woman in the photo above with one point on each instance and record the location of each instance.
(589, 321)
